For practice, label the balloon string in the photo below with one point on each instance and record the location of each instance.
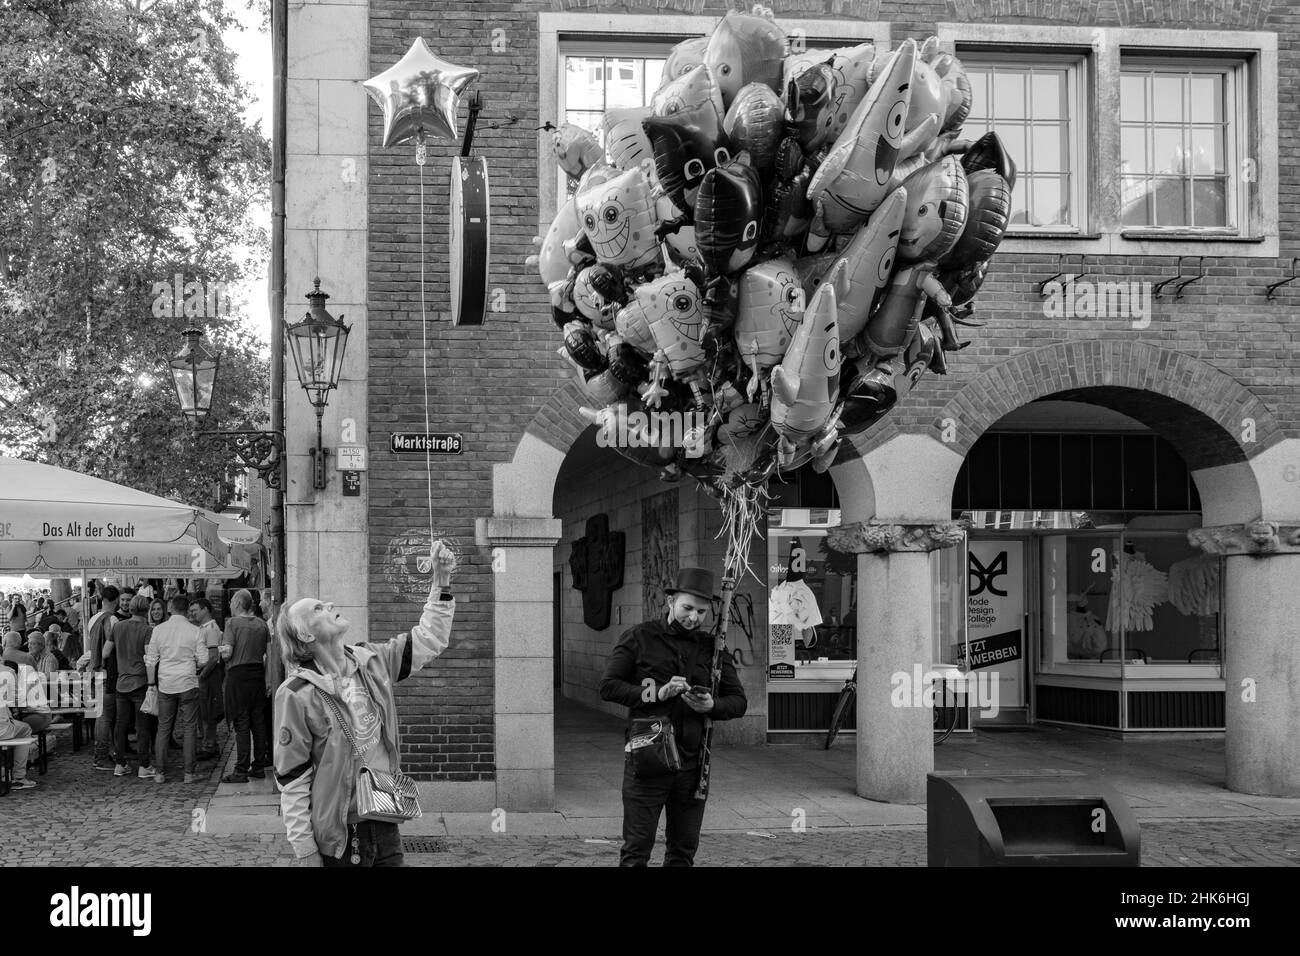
(424, 357)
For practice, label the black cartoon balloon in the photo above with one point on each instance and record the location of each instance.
(686, 145)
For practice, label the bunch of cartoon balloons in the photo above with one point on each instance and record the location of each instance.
(770, 244)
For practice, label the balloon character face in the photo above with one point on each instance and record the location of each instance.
(626, 145)
(672, 304)
(576, 149)
(855, 177)
(728, 213)
(754, 123)
(806, 385)
(686, 145)
(619, 219)
(745, 49)
(682, 57)
(937, 200)
(692, 91)
(771, 309)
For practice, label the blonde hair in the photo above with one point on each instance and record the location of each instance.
(293, 648)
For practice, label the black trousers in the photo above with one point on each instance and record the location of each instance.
(374, 843)
(643, 800)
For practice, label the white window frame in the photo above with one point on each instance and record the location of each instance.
(559, 33)
(1077, 84)
(641, 48)
(1106, 48)
(1235, 80)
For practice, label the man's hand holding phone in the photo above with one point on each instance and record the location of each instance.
(699, 699)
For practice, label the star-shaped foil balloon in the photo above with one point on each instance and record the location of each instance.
(421, 91)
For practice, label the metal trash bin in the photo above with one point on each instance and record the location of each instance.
(1028, 819)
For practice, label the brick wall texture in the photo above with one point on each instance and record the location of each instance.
(1223, 349)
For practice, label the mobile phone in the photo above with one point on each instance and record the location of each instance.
(699, 690)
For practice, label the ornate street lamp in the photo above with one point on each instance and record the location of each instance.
(318, 341)
(194, 370)
(194, 373)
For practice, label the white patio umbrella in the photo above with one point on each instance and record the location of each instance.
(55, 521)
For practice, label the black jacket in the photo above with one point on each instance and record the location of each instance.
(655, 651)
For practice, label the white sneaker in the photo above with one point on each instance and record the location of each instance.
(24, 784)
(159, 778)
(146, 773)
(120, 770)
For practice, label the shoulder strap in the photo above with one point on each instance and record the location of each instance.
(333, 705)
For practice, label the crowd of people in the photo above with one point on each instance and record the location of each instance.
(193, 667)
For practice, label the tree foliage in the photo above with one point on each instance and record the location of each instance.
(125, 162)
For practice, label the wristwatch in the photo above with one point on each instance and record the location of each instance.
(445, 595)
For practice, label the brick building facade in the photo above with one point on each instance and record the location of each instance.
(1211, 373)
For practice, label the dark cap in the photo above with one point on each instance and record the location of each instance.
(697, 581)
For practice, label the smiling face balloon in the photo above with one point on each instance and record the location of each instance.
(937, 200)
(745, 49)
(855, 178)
(618, 217)
(672, 305)
(771, 308)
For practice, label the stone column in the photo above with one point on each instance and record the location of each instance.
(523, 699)
(895, 744)
(1261, 653)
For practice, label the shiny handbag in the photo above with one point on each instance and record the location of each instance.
(653, 747)
(381, 796)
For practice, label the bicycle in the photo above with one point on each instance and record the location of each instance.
(848, 697)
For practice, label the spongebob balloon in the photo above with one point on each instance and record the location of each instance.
(745, 48)
(618, 217)
(672, 304)
(771, 309)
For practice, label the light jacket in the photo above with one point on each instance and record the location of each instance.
(315, 767)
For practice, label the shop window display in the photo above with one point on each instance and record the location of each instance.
(1139, 598)
(812, 605)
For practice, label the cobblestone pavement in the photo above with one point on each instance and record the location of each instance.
(79, 817)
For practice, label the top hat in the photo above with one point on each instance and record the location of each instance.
(697, 581)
